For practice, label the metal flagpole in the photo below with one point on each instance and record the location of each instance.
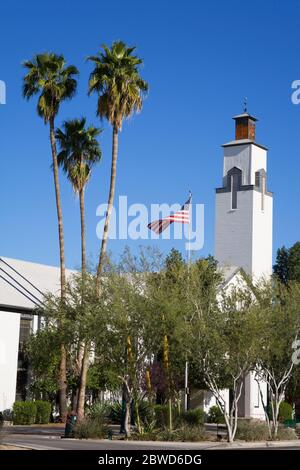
(186, 372)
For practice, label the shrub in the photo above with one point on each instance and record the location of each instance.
(161, 415)
(43, 412)
(252, 431)
(115, 412)
(24, 412)
(99, 410)
(286, 434)
(285, 411)
(90, 428)
(191, 434)
(145, 412)
(215, 415)
(183, 434)
(1, 419)
(194, 417)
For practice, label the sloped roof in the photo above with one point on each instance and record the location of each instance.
(228, 272)
(23, 284)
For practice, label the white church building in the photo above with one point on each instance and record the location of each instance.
(244, 231)
(243, 241)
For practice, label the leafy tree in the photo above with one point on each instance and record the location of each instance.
(279, 321)
(120, 89)
(43, 352)
(287, 266)
(294, 262)
(220, 337)
(49, 77)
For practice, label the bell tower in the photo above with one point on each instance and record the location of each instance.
(244, 206)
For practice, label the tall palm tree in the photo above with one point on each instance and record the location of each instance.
(120, 91)
(49, 77)
(80, 151)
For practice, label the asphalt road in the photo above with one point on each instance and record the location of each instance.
(56, 443)
(37, 442)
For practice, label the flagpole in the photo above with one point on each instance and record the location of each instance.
(186, 371)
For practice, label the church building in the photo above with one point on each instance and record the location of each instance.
(243, 242)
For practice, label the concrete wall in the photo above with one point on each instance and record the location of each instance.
(9, 345)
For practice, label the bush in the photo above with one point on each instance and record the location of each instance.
(115, 412)
(90, 428)
(183, 434)
(215, 416)
(145, 412)
(24, 412)
(194, 417)
(43, 412)
(285, 411)
(191, 434)
(286, 434)
(99, 410)
(161, 415)
(252, 431)
(1, 419)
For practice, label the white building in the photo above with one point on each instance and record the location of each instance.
(22, 288)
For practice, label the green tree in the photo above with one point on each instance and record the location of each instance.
(79, 152)
(120, 89)
(287, 266)
(279, 319)
(49, 77)
(221, 337)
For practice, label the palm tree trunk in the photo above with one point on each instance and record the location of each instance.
(83, 241)
(110, 202)
(83, 377)
(83, 345)
(62, 381)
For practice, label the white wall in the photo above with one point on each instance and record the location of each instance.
(9, 344)
(249, 158)
(253, 403)
(233, 228)
(262, 242)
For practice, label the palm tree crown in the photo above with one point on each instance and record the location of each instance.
(116, 80)
(80, 150)
(49, 76)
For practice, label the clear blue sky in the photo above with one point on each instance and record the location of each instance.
(201, 59)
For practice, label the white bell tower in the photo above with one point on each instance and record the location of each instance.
(244, 207)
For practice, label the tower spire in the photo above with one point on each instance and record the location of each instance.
(245, 104)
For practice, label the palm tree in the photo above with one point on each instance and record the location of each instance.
(80, 150)
(49, 77)
(120, 91)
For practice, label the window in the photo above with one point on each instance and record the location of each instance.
(234, 188)
(257, 179)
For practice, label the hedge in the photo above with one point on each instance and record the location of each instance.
(24, 412)
(43, 412)
(31, 412)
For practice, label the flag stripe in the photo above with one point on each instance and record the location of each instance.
(181, 216)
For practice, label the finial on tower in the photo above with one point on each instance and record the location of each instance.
(245, 104)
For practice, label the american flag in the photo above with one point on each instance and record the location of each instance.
(182, 216)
